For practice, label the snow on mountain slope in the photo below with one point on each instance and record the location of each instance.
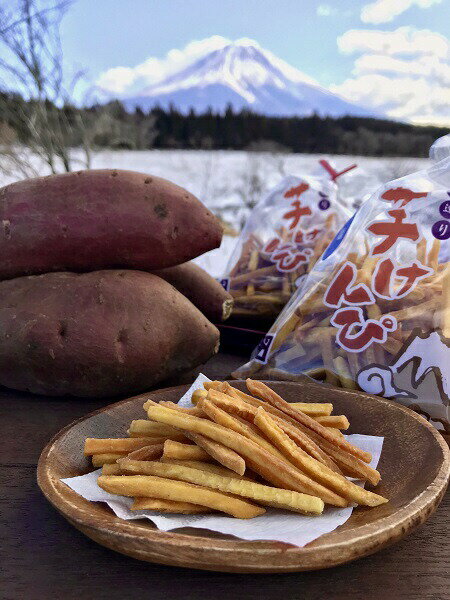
(246, 76)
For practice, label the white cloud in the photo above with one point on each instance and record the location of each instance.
(384, 11)
(119, 80)
(116, 80)
(404, 74)
(402, 41)
(424, 66)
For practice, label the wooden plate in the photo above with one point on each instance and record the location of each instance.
(415, 468)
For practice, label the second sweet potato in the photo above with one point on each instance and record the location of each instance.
(200, 288)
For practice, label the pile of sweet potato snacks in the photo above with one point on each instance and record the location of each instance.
(235, 453)
(259, 286)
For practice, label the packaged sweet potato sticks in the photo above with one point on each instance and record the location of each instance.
(374, 312)
(286, 233)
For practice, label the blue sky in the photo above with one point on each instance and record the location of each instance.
(107, 33)
(389, 55)
(99, 34)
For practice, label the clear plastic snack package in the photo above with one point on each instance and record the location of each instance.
(374, 312)
(286, 233)
(441, 148)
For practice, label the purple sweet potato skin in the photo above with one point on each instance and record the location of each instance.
(98, 334)
(201, 289)
(100, 219)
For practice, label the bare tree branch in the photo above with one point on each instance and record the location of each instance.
(60, 6)
(34, 67)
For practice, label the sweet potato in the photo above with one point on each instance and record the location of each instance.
(100, 219)
(99, 334)
(203, 291)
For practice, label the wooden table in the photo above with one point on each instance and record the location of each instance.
(42, 556)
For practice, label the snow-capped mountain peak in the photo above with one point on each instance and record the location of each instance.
(241, 66)
(243, 74)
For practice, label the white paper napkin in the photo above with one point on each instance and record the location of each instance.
(278, 525)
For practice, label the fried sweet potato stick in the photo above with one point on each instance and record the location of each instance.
(316, 373)
(224, 455)
(184, 409)
(313, 409)
(412, 312)
(168, 506)
(392, 346)
(252, 265)
(305, 326)
(263, 494)
(168, 489)
(107, 458)
(176, 450)
(204, 466)
(313, 300)
(353, 362)
(198, 395)
(373, 311)
(189, 410)
(147, 452)
(344, 374)
(144, 428)
(312, 467)
(280, 473)
(233, 405)
(108, 445)
(433, 255)
(326, 348)
(260, 299)
(335, 421)
(111, 469)
(335, 431)
(284, 330)
(245, 277)
(422, 250)
(263, 391)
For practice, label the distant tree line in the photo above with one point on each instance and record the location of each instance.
(314, 134)
(112, 126)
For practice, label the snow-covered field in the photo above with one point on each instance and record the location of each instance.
(229, 182)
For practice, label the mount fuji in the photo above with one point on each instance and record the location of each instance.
(245, 76)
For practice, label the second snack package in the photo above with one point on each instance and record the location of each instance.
(287, 231)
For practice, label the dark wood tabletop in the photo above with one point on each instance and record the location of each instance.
(42, 556)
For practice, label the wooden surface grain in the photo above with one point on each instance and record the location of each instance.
(42, 556)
